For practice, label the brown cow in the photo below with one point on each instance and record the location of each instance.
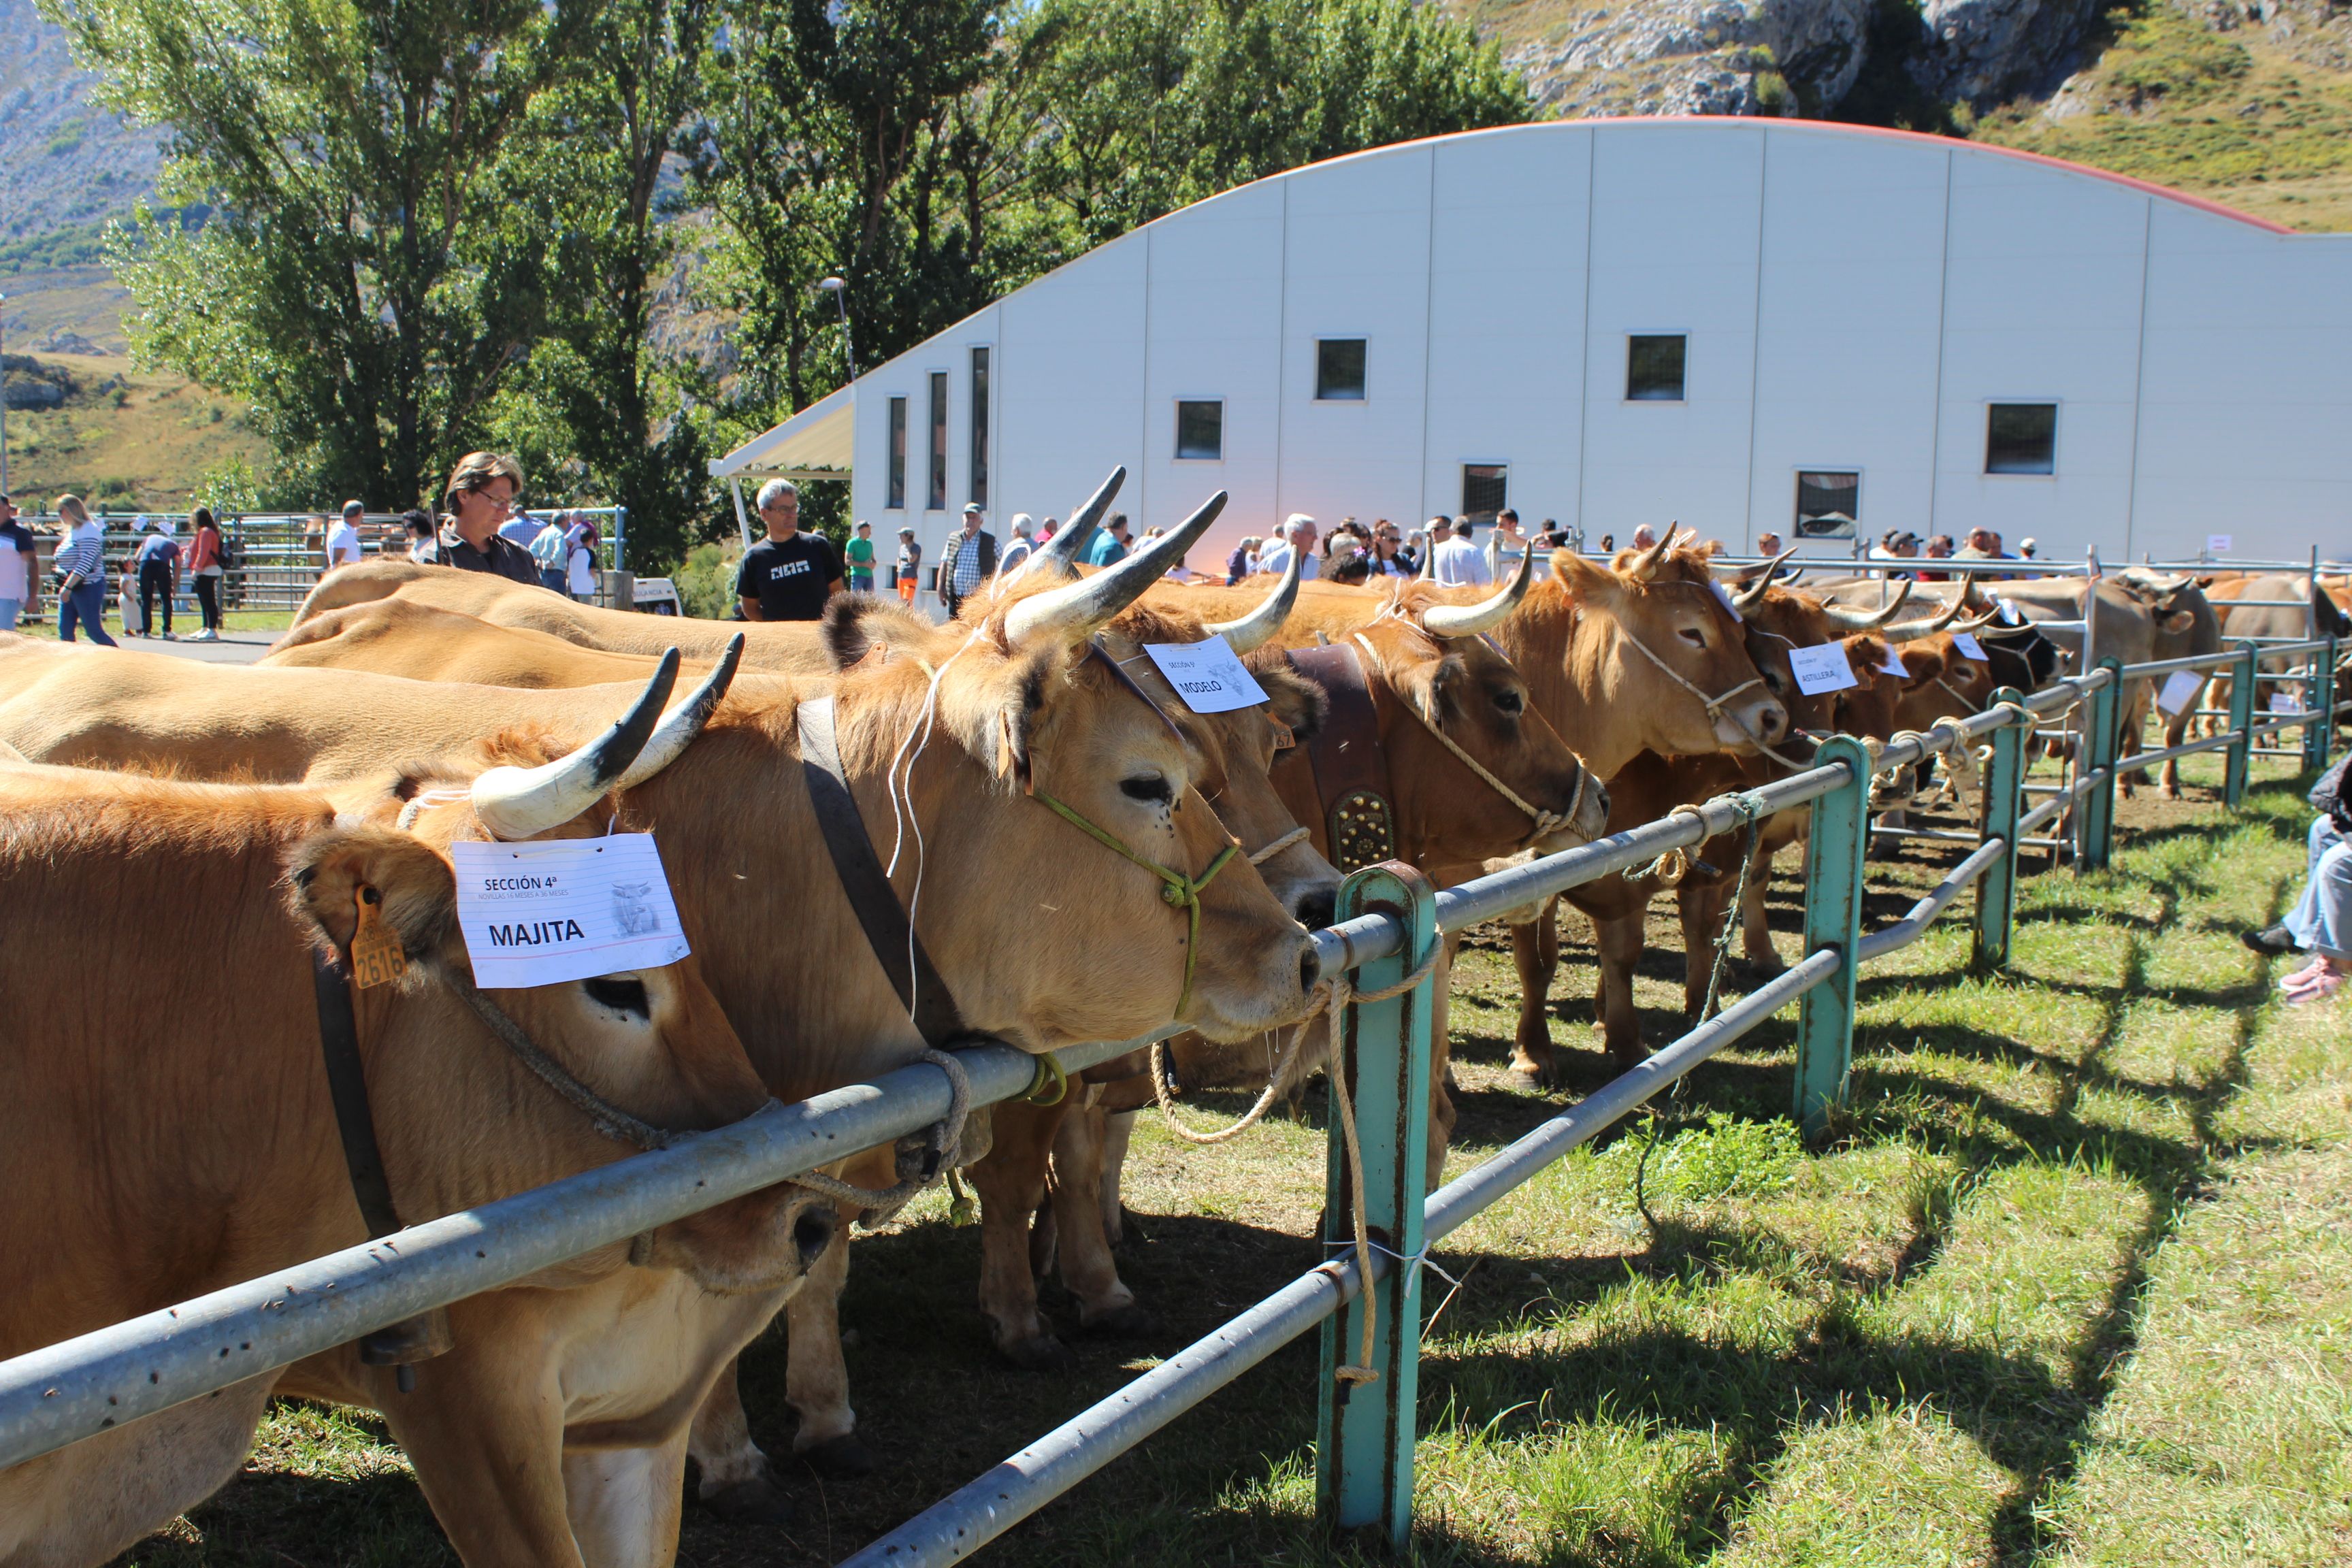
(146, 1166)
(1072, 950)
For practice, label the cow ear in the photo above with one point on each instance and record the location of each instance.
(1586, 581)
(2177, 622)
(327, 871)
(847, 636)
(1924, 663)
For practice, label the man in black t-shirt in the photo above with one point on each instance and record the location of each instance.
(789, 575)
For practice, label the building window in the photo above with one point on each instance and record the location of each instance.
(1201, 430)
(2021, 439)
(1653, 368)
(979, 426)
(1339, 370)
(1829, 505)
(939, 491)
(897, 454)
(1486, 490)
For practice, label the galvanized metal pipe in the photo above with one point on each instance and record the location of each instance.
(1915, 924)
(977, 1513)
(84, 1385)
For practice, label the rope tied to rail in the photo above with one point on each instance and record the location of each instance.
(881, 1203)
(1672, 865)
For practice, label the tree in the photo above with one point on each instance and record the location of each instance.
(597, 403)
(359, 283)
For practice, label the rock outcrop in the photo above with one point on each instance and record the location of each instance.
(1699, 56)
(1985, 51)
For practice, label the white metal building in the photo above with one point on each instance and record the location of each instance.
(1731, 324)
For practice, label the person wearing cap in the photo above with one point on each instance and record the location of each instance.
(1024, 544)
(909, 568)
(2028, 546)
(970, 562)
(1109, 547)
(343, 539)
(1769, 543)
(791, 575)
(1296, 537)
(158, 560)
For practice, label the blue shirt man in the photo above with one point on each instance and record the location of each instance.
(1110, 546)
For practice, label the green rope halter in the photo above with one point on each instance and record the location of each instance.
(1178, 891)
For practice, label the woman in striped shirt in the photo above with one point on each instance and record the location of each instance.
(81, 574)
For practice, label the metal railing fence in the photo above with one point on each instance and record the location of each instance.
(1391, 921)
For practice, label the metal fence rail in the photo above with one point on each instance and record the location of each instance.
(74, 1389)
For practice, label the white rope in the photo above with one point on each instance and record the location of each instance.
(946, 1137)
(1279, 845)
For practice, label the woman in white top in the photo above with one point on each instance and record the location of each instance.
(581, 564)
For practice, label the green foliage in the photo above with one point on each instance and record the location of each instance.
(1727, 1156)
(229, 487)
(705, 579)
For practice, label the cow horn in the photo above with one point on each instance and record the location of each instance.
(522, 803)
(1074, 609)
(1469, 620)
(1068, 547)
(1428, 573)
(683, 722)
(1642, 565)
(1260, 625)
(1856, 621)
(1752, 594)
(1911, 630)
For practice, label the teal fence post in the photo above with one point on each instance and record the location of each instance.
(1834, 857)
(1364, 1432)
(2004, 804)
(2320, 701)
(2242, 722)
(2094, 814)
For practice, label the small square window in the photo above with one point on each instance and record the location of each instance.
(1486, 490)
(1201, 430)
(1340, 370)
(1829, 505)
(1653, 368)
(2021, 439)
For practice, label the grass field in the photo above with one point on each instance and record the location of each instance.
(140, 444)
(2072, 1284)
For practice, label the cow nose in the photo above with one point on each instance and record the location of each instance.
(1318, 907)
(1310, 969)
(1775, 720)
(1599, 798)
(813, 1233)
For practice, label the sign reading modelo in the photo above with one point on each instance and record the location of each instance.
(564, 909)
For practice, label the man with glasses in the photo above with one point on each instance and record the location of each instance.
(483, 491)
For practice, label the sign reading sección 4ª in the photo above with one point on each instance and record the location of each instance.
(564, 909)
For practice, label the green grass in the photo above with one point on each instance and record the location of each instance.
(2071, 1283)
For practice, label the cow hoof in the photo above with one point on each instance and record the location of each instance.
(1128, 1322)
(841, 1457)
(757, 1500)
(1533, 1080)
(1043, 1354)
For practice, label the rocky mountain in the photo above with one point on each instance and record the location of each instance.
(64, 163)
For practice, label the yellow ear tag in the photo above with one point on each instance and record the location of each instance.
(377, 958)
(1284, 736)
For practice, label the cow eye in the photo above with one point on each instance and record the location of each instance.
(621, 993)
(1694, 636)
(1148, 787)
(1510, 703)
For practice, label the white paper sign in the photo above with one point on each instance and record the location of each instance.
(1967, 643)
(1822, 669)
(1208, 676)
(2180, 689)
(2218, 543)
(2285, 702)
(564, 909)
(1895, 665)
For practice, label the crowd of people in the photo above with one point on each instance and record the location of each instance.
(483, 529)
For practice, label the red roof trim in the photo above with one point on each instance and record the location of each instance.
(2147, 187)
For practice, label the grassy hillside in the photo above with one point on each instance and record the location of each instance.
(2238, 116)
(127, 437)
(2258, 116)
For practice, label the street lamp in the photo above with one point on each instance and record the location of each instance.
(840, 292)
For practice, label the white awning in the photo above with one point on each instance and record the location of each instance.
(814, 444)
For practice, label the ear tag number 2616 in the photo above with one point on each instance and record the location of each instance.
(377, 957)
